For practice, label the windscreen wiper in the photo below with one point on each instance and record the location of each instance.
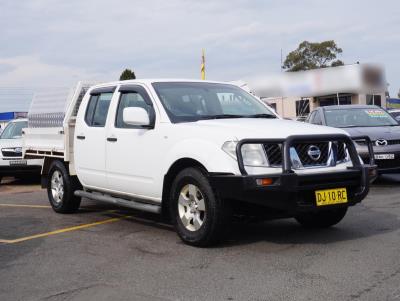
(261, 116)
(222, 116)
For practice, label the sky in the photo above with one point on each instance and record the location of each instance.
(48, 43)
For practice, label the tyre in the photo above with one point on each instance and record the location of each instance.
(200, 217)
(60, 189)
(321, 219)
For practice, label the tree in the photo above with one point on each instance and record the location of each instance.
(313, 56)
(127, 74)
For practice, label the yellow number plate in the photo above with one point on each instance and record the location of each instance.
(331, 196)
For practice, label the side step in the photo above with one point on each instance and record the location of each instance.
(118, 201)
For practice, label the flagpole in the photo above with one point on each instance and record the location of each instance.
(203, 65)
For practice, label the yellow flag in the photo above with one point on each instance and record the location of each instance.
(203, 66)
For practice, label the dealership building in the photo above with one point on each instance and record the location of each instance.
(295, 94)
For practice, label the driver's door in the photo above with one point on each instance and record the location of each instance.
(131, 150)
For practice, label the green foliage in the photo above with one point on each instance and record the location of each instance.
(127, 74)
(313, 56)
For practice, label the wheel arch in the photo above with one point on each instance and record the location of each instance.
(173, 171)
(47, 163)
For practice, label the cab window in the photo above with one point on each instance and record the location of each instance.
(97, 109)
(137, 98)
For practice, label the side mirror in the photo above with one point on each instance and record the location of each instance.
(136, 116)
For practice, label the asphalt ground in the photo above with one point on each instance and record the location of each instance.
(109, 253)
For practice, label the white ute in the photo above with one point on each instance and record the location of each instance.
(198, 152)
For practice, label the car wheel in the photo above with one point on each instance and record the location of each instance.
(60, 189)
(200, 217)
(321, 219)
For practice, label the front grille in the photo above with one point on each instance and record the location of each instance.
(393, 142)
(9, 153)
(303, 150)
(390, 142)
(341, 151)
(274, 153)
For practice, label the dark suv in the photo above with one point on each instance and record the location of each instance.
(365, 120)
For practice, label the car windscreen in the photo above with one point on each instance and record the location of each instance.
(14, 130)
(358, 117)
(192, 101)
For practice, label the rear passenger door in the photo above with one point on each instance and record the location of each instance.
(90, 139)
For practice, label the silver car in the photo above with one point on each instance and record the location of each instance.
(365, 120)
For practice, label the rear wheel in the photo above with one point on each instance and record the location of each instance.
(60, 189)
(321, 219)
(200, 217)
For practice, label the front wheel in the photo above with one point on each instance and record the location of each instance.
(321, 219)
(201, 218)
(60, 189)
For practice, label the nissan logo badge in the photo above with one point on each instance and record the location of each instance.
(314, 152)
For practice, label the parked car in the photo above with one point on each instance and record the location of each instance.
(395, 114)
(11, 157)
(196, 152)
(372, 121)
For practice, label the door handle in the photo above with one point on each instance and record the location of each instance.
(112, 139)
(80, 137)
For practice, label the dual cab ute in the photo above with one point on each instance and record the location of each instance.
(195, 151)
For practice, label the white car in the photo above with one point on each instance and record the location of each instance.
(11, 158)
(195, 151)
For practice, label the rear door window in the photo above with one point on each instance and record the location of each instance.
(97, 109)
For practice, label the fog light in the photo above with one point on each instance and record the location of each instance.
(264, 182)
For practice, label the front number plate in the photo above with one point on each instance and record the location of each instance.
(384, 157)
(18, 163)
(331, 196)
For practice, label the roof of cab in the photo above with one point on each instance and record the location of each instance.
(155, 80)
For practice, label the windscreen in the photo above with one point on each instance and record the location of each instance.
(186, 101)
(14, 130)
(358, 117)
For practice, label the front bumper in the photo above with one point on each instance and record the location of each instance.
(19, 167)
(384, 166)
(293, 192)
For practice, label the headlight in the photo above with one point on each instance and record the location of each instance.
(253, 154)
